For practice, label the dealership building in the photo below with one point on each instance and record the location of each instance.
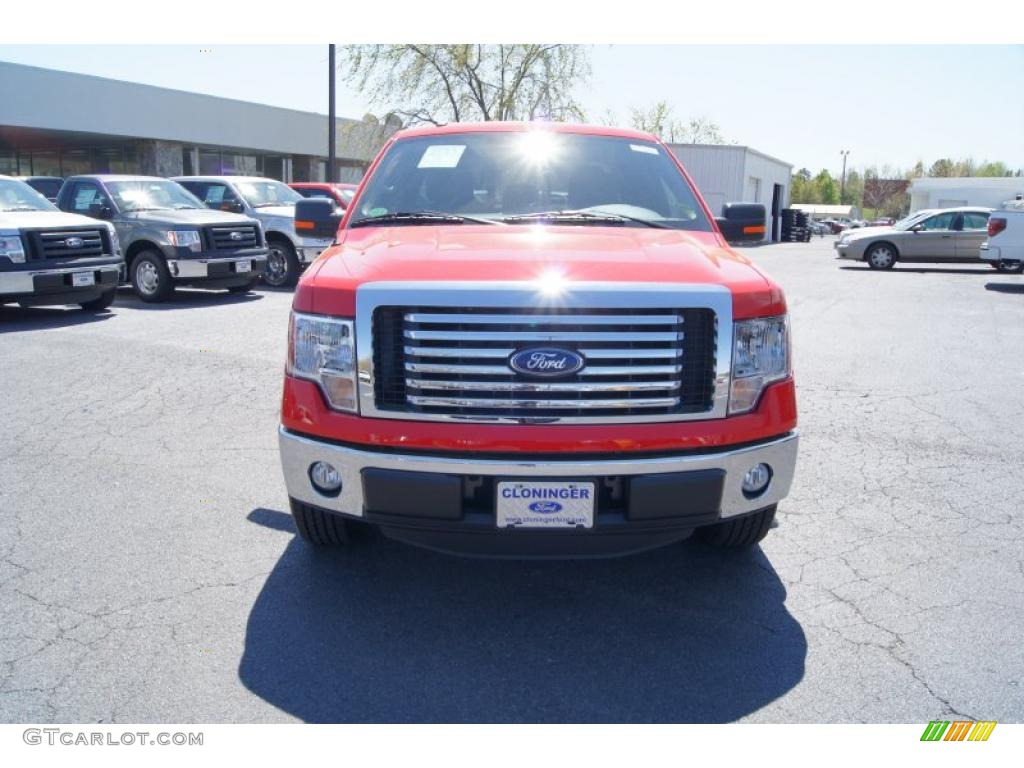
(59, 123)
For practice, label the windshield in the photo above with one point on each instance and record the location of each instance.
(262, 194)
(912, 219)
(19, 196)
(346, 195)
(151, 195)
(530, 177)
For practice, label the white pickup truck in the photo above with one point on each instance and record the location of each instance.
(1005, 245)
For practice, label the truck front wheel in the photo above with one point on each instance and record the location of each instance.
(317, 526)
(150, 277)
(101, 302)
(282, 264)
(744, 531)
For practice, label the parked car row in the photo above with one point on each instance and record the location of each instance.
(72, 241)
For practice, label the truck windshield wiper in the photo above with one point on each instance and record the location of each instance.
(582, 217)
(420, 217)
(274, 205)
(23, 209)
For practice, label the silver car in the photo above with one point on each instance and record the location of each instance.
(272, 203)
(934, 235)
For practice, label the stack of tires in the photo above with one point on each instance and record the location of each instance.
(795, 227)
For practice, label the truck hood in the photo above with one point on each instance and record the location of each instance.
(275, 212)
(527, 253)
(33, 219)
(186, 216)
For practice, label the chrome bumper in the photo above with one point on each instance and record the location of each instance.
(298, 453)
(191, 268)
(21, 282)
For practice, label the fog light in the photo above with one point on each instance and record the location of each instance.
(325, 478)
(756, 479)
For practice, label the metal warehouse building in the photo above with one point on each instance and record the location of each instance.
(988, 191)
(726, 173)
(60, 123)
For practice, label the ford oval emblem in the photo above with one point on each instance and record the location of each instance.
(546, 507)
(236, 235)
(546, 362)
(74, 242)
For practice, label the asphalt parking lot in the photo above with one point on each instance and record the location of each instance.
(150, 571)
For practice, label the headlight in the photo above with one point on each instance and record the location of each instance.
(322, 349)
(115, 244)
(11, 246)
(184, 238)
(760, 356)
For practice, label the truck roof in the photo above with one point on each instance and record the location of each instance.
(115, 177)
(499, 126)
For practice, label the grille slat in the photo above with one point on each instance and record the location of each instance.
(221, 238)
(453, 361)
(53, 244)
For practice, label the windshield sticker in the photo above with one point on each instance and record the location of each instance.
(442, 156)
(645, 149)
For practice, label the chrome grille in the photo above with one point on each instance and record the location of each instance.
(453, 362)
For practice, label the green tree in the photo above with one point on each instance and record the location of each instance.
(801, 188)
(854, 193)
(444, 83)
(994, 169)
(828, 190)
(943, 168)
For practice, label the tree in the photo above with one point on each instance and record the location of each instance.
(658, 119)
(854, 193)
(885, 190)
(802, 190)
(994, 169)
(828, 191)
(943, 168)
(444, 83)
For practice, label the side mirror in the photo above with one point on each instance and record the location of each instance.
(232, 206)
(743, 222)
(105, 212)
(917, 228)
(317, 217)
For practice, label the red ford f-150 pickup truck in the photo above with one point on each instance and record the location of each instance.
(531, 340)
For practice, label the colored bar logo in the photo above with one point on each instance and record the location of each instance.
(958, 730)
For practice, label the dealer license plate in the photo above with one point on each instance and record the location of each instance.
(243, 266)
(545, 504)
(79, 279)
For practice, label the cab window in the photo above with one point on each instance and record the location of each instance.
(88, 199)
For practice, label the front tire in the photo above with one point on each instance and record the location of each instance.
(881, 256)
(101, 302)
(283, 267)
(742, 532)
(317, 526)
(1009, 267)
(244, 288)
(150, 277)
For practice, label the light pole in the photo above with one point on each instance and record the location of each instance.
(331, 151)
(842, 184)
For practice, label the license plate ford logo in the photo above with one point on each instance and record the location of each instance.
(546, 362)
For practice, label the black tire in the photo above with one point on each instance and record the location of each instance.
(1009, 267)
(744, 531)
(150, 278)
(881, 256)
(317, 526)
(244, 288)
(101, 302)
(283, 267)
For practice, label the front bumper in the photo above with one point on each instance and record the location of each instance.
(632, 528)
(42, 281)
(218, 267)
(848, 251)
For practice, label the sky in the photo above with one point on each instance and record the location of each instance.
(890, 105)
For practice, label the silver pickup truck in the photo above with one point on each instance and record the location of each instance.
(272, 203)
(48, 257)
